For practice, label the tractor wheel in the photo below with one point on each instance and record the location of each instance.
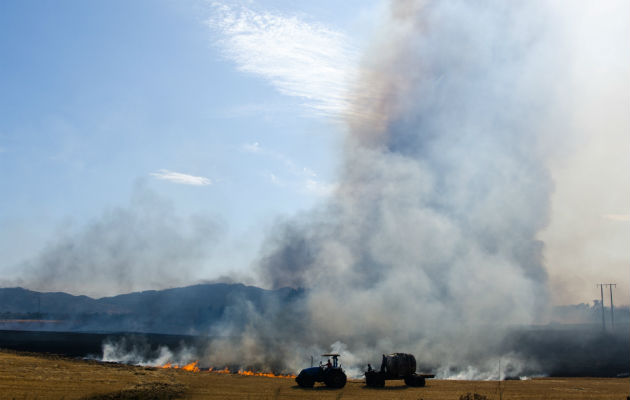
(335, 379)
(305, 381)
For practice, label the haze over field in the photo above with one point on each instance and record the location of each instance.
(471, 170)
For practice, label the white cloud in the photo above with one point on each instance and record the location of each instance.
(306, 60)
(289, 165)
(308, 172)
(252, 147)
(273, 178)
(301, 179)
(178, 177)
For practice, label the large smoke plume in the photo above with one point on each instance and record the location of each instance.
(429, 243)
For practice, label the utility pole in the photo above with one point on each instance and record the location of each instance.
(612, 307)
(601, 286)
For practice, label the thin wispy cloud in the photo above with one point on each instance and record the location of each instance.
(302, 179)
(178, 177)
(289, 165)
(319, 188)
(252, 147)
(273, 178)
(306, 60)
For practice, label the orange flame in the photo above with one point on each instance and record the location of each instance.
(193, 367)
(267, 374)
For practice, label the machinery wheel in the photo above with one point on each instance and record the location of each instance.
(415, 381)
(305, 381)
(374, 379)
(335, 379)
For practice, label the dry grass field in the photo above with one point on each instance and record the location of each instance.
(30, 376)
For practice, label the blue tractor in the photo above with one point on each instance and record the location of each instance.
(330, 373)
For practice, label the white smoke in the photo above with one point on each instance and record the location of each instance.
(138, 352)
(429, 244)
(145, 245)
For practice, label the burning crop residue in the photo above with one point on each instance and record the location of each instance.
(194, 367)
(266, 374)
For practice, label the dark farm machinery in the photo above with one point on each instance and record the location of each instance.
(396, 366)
(331, 374)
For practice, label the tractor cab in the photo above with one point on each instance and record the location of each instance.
(335, 361)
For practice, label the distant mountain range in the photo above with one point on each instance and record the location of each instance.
(574, 346)
(187, 310)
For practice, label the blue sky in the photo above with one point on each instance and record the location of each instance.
(100, 98)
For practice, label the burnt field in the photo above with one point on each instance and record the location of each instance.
(583, 363)
(32, 376)
(79, 344)
(572, 350)
(555, 351)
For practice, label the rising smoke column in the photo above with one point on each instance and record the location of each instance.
(429, 244)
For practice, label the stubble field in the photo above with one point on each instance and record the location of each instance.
(32, 376)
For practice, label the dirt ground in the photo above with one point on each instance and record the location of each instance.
(31, 376)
